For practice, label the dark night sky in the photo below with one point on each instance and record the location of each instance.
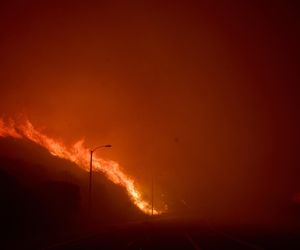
(203, 94)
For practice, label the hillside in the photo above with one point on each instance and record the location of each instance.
(43, 196)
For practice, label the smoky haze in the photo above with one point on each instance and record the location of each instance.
(204, 96)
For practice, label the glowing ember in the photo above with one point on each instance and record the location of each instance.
(77, 154)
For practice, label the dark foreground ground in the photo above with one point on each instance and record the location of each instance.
(43, 206)
(173, 234)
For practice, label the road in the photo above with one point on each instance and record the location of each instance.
(178, 235)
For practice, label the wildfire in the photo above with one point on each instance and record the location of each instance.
(77, 154)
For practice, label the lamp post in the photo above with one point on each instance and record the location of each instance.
(90, 179)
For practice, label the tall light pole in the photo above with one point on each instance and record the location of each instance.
(91, 173)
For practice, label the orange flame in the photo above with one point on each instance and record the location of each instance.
(77, 154)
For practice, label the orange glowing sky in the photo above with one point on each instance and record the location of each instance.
(202, 95)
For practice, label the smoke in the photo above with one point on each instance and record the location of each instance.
(203, 97)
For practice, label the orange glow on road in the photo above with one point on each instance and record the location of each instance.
(77, 154)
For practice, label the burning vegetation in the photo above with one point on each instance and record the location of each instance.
(77, 154)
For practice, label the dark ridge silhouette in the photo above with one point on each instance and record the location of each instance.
(44, 198)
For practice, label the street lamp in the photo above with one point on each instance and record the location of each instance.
(90, 180)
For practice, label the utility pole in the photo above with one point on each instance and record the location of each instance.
(152, 191)
(90, 186)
